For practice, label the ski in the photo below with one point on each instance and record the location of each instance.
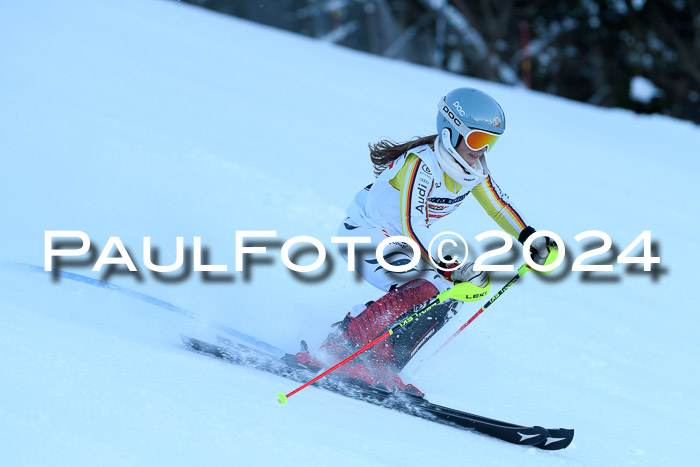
(288, 367)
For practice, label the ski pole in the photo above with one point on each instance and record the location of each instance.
(553, 253)
(521, 271)
(465, 292)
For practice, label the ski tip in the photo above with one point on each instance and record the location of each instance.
(282, 398)
(559, 438)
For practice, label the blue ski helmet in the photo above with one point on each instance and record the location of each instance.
(467, 108)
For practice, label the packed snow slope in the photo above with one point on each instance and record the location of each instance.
(138, 119)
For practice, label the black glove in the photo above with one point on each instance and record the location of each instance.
(540, 247)
(539, 250)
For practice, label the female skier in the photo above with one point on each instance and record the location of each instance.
(419, 182)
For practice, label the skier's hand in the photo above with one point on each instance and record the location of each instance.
(466, 273)
(539, 250)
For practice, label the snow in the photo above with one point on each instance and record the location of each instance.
(642, 90)
(156, 119)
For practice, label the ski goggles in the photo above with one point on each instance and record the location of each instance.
(477, 140)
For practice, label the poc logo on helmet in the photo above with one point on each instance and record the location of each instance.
(459, 108)
(452, 116)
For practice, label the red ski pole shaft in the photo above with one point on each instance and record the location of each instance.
(462, 292)
(521, 270)
(283, 397)
(419, 311)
